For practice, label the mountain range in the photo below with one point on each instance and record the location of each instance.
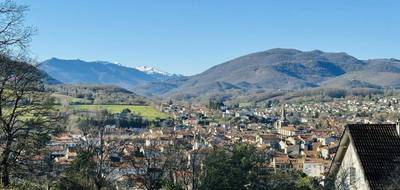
(262, 72)
(101, 72)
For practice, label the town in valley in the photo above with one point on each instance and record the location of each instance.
(199, 95)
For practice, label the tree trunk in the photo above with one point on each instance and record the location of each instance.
(5, 171)
(5, 178)
(97, 185)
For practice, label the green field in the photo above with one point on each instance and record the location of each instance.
(147, 112)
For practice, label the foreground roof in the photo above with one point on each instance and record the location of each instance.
(377, 147)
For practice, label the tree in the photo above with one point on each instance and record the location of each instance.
(149, 167)
(93, 164)
(14, 34)
(48, 173)
(338, 179)
(25, 109)
(180, 166)
(25, 116)
(215, 103)
(392, 182)
(243, 167)
(231, 168)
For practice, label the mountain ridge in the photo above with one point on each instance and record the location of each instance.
(289, 69)
(77, 71)
(272, 70)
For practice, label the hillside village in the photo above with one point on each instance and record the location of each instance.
(294, 136)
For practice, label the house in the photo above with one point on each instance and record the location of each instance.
(294, 150)
(288, 131)
(297, 163)
(268, 139)
(327, 140)
(328, 150)
(313, 167)
(282, 145)
(367, 155)
(281, 161)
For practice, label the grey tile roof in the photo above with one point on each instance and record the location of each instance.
(378, 148)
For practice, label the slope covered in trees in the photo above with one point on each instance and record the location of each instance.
(95, 94)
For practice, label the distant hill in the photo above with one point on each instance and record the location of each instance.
(253, 75)
(98, 72)
(49, 80)
(286, 69)
(378, 72)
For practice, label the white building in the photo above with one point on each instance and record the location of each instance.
(288, 131)
(313, 168)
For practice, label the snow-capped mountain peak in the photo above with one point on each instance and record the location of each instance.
(152, 70)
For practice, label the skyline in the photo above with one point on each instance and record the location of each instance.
(189, 37)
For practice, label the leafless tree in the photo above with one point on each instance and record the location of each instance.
(177, 165)
(149, 167)
(14, 34)
(95, 151)
(339, 180)
(25, 116)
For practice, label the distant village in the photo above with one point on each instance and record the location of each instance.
(301, 136)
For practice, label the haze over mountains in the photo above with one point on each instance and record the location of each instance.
(267, 71)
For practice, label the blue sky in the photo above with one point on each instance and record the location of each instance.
(190, 36)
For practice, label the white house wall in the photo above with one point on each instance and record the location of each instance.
(350, 160)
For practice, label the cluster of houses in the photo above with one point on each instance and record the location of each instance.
(301, 144)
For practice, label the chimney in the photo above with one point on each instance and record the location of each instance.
(398, 127)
